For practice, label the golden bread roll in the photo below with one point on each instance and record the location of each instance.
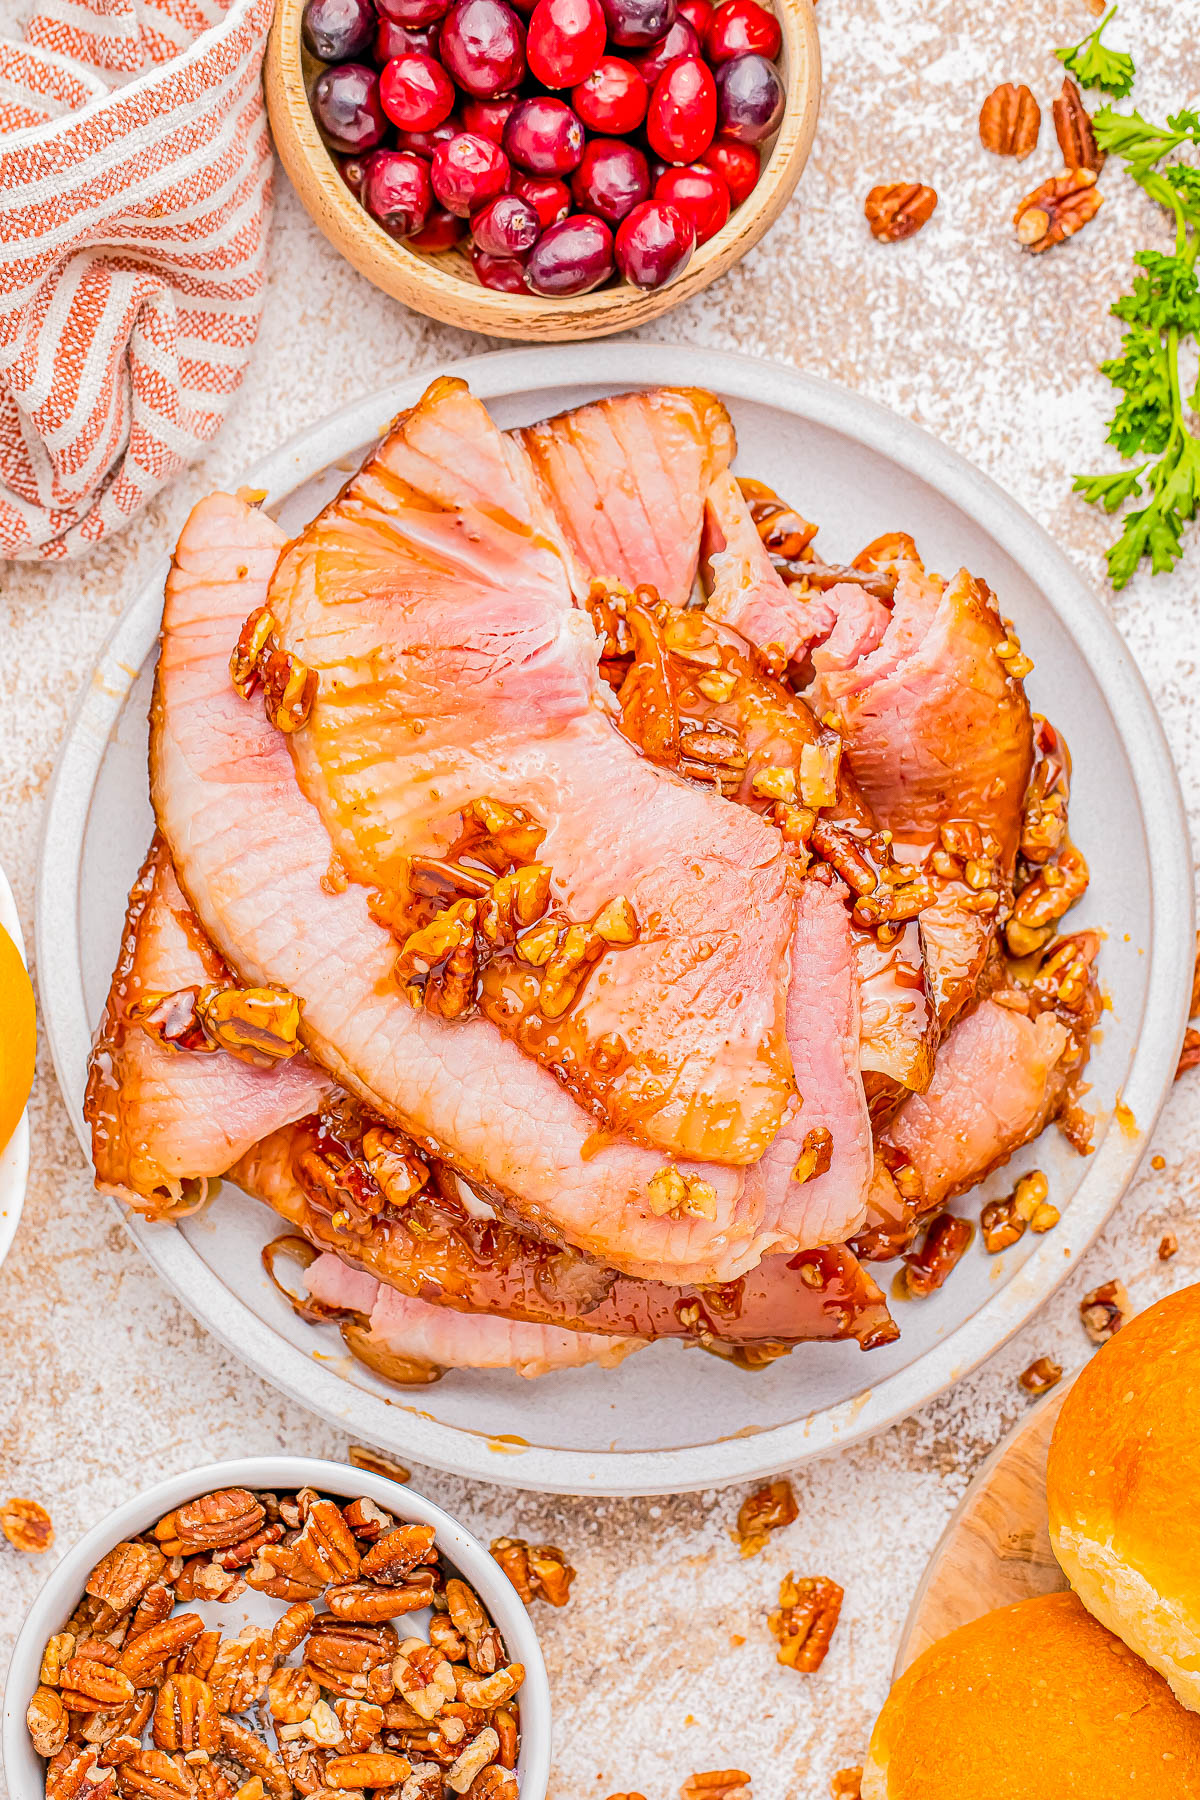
(1032, 1702)
(1123, 1488)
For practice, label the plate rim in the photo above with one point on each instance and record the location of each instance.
(14, 1157)
(546, 1468)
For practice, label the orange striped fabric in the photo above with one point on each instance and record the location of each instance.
(134, 196)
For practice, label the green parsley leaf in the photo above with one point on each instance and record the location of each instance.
(1093, 64)
(1109, 491)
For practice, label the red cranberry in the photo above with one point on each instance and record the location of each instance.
(336, 30)
(749, 99)
(345, 102)
(697, 13)
(638, 22)
(506, 226)
(352, 169)
(424, 143)
(487, 118)
(741, 25)
(440, 232)
(611, 179)
(565, 41)
(681, 40)
(412, 12)
(403, 40)
(699, 194)
(396, 191)
(503, 272)
(736, 164)
(544, 136)
(683, 111)
(468, 172)
(483, 46)
(571, 257)
(549, 197)
(614, 97)
(654, 244)
(416, 92)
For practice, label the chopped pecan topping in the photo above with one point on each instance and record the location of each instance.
(1009, 121)
(805, 1621)
(258, 1025)
(1104, 1311)
(1053, 890)
(289, 686)
(670, 1191)
(898, 209)
(782, 530)
(1003, 1221)
(1073, 129)
(1041, 1375)
(27, 1525)
(926, 1269)
(816, 1154)
(1057, 209)
(768, 1509)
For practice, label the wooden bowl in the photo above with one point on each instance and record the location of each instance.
(444, 286)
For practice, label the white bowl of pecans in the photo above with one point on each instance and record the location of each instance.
(278, 1627)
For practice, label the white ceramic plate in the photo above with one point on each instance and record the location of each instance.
(672, 1418)
(14, 1159)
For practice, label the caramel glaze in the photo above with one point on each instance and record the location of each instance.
(434, 1249)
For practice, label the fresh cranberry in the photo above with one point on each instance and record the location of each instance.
(571, 257)
(487, 118)
(468, 172)
(654, 244)
(611, 179)
(614, 97)
(565, 41)
(392, 39)
(440, 232)
(549, 197)
(506, 226)
(681, 40)
(336, 30)
(424, 143)
(736, 164)
(345, 102)
(396, 191)
(352, 170)
(412, 12)
(697, 13)
(638, 22)
(483, 46)
(741, 25)
(699, 194)
(683, 110)
(503, 272)
(749, 99)
(544, 137)
(416, 92)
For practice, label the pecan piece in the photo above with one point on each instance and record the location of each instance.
(1041, 1375)
(1073, 129)
(481, 1751)
(326, 1543)
(425, 1782)
(1189, 1056)
(75, 1774)
(494, 1782)
(251, 1754)
(121, 1578)
(343, 1655)
(291, 1695)
(369, 1770)
(1168, 1246)
(210, 1522)
(292, 1627)
(398, 1551)
(423, 1677)
(769, 1509)
(489, 1691)
(1057, 209)
(152, 1775)
(289, 689)
(58, 1652)
(927, 1268)
(27, 1525)
(90, 1683)
(717, 1784)
(805, 1621)
(185, 1717)
(1104, 1311)
(361, 1723)
(898, 209)
(241, 1669)
(371, 1604)
(846, 1784)
(155, 1605)
(1009, 121)
(47, 1721)
(365, 1519)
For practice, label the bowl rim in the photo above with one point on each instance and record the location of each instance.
(60, 1592)
(14, 1158)
(1135, 723)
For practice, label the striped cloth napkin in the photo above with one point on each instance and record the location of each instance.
(134, 196)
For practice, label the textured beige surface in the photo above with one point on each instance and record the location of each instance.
(661, 1664)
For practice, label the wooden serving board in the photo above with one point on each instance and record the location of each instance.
(996, 1548)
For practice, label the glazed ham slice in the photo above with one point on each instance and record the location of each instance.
(165, 1121)
(255, 861)
(744, 588)
(625, 480)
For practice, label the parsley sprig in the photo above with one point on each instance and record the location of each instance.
(1160, 313)
(1093, 64)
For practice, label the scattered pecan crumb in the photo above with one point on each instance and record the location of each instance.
(537, 1571)
(846, 1785)
(27, 1526)
(898, 209)
(378, 1464)
(1104, 1311)
(1189, 1056)
(805, 1620)
(1167, 1246)
(717, 1784)
(1073, 128)
(1010, 120)
(927, 1268)
(767, 1510)
(1057, 209)
(1041, 1376)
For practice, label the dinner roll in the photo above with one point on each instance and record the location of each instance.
(1033, 1702)
(1123, 1487)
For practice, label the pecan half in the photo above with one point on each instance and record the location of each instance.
(717, 1784)
(210, 1522)
(1104, 1311)
(391, 1557)
(537, 1571)
(372, 1605)
(27, 1525)
(898, 209)
(1041, 1375)
(152, 1775)
(76, 1774)
(89, 1684)
(927, 1268)
(46, 1717)
(805, 1621)
(1057, 209)
(253, 1756)
(768, 1509)
(326, 1543)
(368, 1770)
(121, 1578)
(241, 1669)
(1073, 129)
(1010, 120)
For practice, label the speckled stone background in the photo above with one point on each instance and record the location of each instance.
(661, 1664)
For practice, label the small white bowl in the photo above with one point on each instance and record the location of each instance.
(14, 1158)
(61, 1593)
